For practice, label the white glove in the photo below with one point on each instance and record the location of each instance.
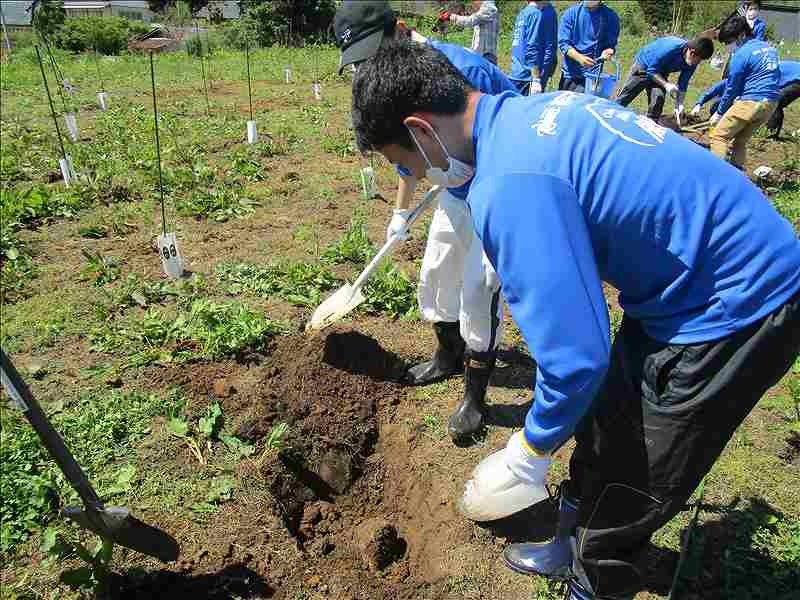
(524, 462)
(680, 110)
(536, 86)
(715, 118)
(672, 89)
(696, 110)
(398, 223)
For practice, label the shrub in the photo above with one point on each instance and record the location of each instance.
(109, 35)
(284, 21)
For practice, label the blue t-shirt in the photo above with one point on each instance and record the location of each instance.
(571, 190)
(790, 73)
(481, 74)
(665, 56)
(754, 74)
(533, 42)
(550, 26)
(589, 32)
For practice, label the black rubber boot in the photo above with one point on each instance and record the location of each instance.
(448, 359)
(467, 419)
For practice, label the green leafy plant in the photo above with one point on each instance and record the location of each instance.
(95, 231)
(354, 246)
(60, 544)
(299, 283)
(219, 204)
(198, 437)
(273, 442)
(103, 269)
(391, 292)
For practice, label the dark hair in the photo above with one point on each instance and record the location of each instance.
(403, 78)
(703, 46)
(733, 28)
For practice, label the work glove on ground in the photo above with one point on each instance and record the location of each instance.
(696, 110)
(715, 118)
(536, 86)
(672, 89)
(398, 223)
(525, 462)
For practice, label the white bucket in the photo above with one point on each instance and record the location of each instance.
(317, 91)
(252, 134)
(72, 126)
(287, 74)
(102, 100)
(171, 258)
(66, 171)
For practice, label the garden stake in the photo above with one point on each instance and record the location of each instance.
(167, 244)
(687, 541)
(112, 523)
(64, 163)
(317, 88)
(252, 134)
(102, 97)
(205, 87)
(70, 118)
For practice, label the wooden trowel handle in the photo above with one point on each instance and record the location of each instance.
(51, 439)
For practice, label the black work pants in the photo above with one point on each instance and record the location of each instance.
(572, 85)
(788, 95)
(662, 418)
(638, 81)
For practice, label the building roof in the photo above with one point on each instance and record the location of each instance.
(230, 9)
(16, 12)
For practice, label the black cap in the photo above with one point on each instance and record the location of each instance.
(359, 26)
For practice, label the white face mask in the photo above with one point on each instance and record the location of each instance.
(458, 173)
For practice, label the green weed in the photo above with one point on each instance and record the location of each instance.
(101, 269)
(300, 284)
(219, 204)
(391, 292)
(354, 246)
(99, 429)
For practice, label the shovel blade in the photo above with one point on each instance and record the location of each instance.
(118, 525)
(341, 302)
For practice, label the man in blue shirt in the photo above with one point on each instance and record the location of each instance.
(571, 191)
(458, 289)
(756, 23)
(751, 92)
(589, 31)
(790, 91)
(533, 47)
(652, 67)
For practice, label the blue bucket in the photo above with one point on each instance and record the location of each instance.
(602, 84)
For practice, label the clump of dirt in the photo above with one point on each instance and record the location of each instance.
(791, 453)
(327, 388)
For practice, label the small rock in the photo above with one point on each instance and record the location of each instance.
(223, 388)
(335, 470)
(378, 544)
(763, 172)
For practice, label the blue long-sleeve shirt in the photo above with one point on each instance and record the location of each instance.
(550, 25)
(532, 44)
(759, 30)
(571, 190)
(790, 73)
(754, 74)
(481, 74)
(589, 32)
(664, 56)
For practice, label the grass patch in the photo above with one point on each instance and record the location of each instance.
(206, 330)
(353, 247)
(300, 283)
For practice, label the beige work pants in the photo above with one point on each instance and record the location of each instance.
(729, 138)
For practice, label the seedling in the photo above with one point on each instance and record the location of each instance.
(300, 284)
(354, 246)
(272, 443)
(60, 544)
(103, 269)
(198, 437)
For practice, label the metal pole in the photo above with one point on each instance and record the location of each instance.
(50, 99)
(58, 76)
(249, 84)
(5, 33)
(205, 87)
(158, 148)
(99, 75)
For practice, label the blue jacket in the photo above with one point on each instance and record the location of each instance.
(589, 32)
(572, 190)
(754, 74)
(790, 73)
(665, 56)
(760, 30)
(534, 42)
(481, 74)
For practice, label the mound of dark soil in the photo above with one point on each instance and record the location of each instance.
(327, 388)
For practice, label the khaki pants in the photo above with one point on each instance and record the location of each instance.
(729, 138)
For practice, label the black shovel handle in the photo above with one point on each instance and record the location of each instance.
(19, 392)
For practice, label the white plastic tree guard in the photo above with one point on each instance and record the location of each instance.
(171, 257)
(71, 121)
(252, 133)
(102, 100)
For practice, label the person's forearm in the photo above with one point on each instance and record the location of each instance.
(659, 80)
(574, 54)
(405, 192)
